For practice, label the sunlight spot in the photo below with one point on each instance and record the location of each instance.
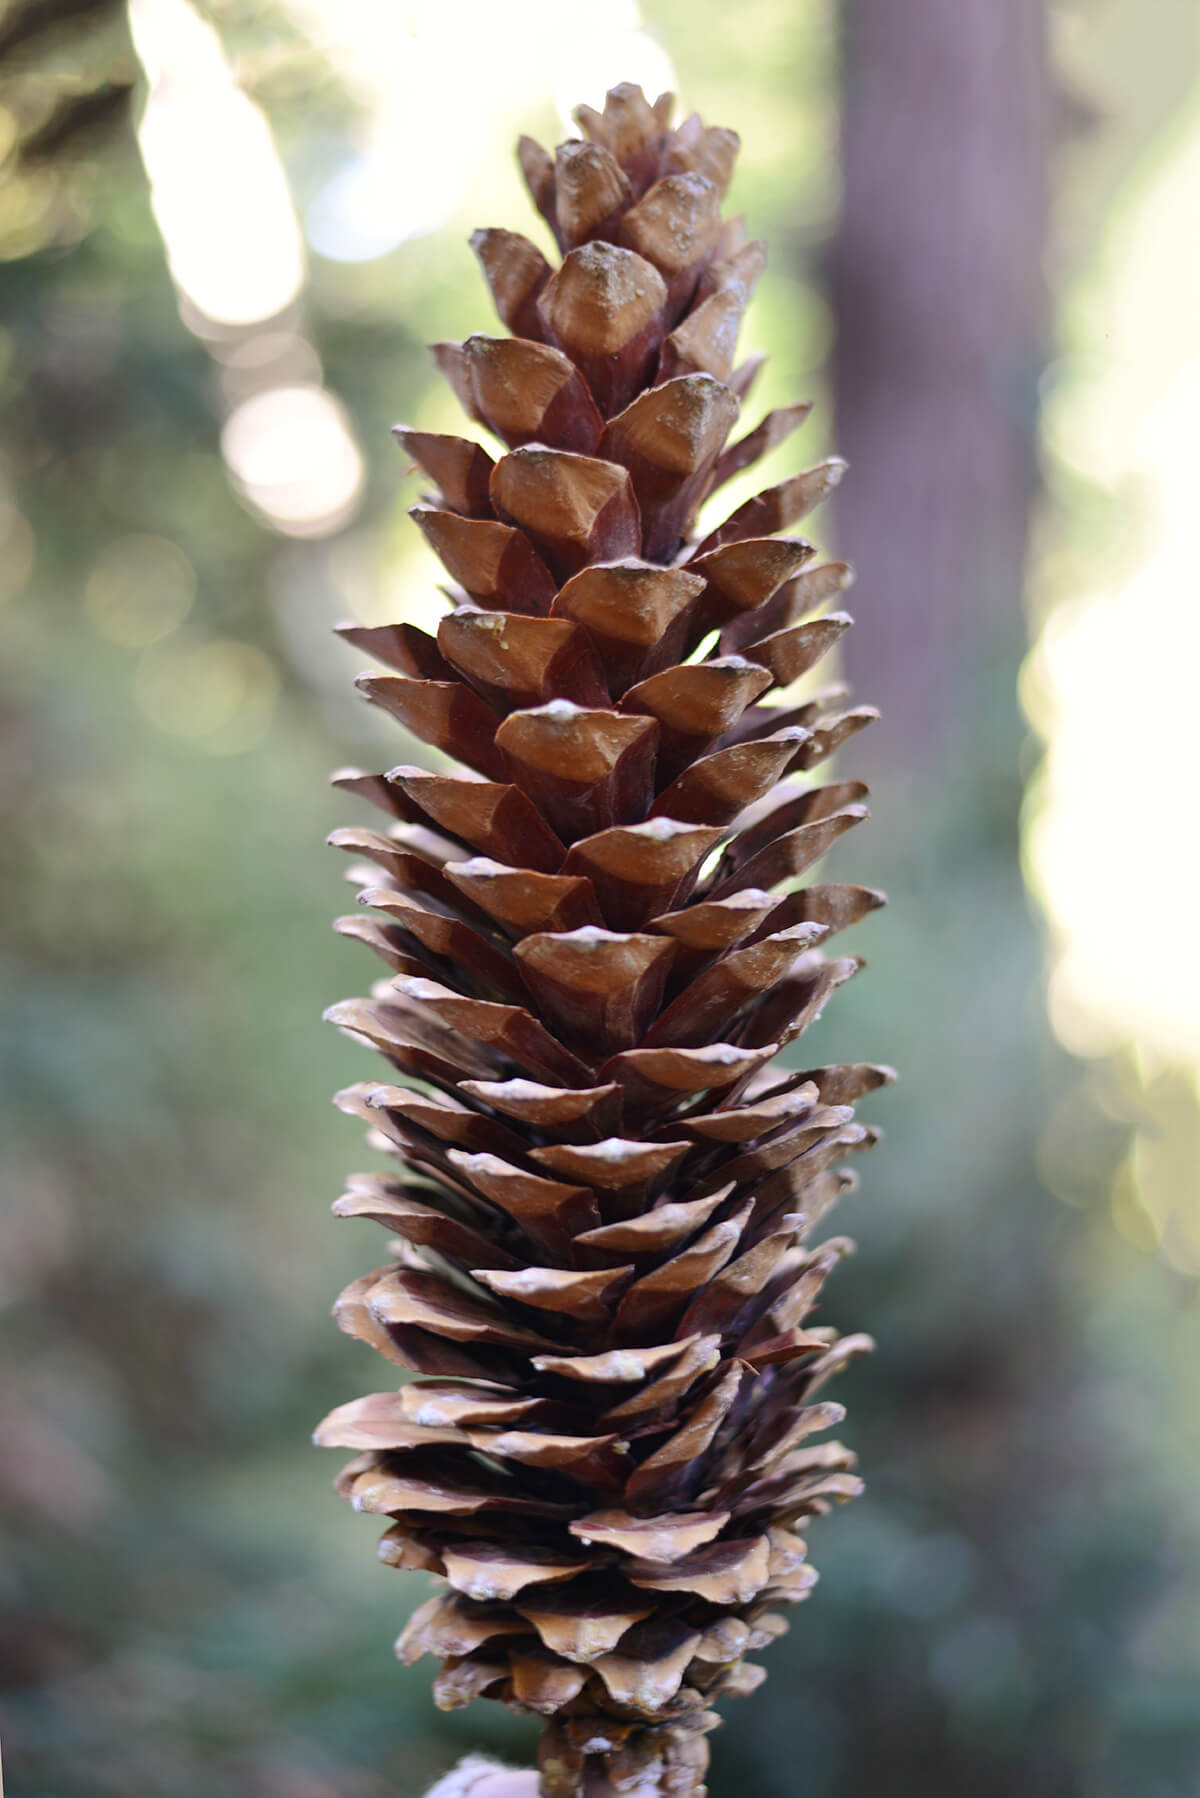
(217, 186)
(424, 152)
(586, 68)
(292, 454)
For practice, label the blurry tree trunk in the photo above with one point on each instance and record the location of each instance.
(940, 302)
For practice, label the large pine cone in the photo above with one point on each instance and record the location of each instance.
(598, 943)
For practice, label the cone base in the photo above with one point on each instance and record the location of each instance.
(663, 1761)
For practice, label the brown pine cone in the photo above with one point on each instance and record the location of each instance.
(598, 942)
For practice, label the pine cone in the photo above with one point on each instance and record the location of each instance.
(597, 944)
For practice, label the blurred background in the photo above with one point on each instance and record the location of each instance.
(228, 229)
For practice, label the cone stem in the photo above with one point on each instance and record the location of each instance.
(661, 1761)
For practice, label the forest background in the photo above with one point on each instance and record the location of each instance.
(228, 230)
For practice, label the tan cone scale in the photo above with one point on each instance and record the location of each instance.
(598, 942)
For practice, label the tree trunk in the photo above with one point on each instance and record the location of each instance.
(940, 304)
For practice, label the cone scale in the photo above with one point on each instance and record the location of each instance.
(607, 1204)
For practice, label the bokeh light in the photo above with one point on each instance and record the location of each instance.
(294, 457)
(422, 142)
(140, 589)
(1112, 846)
(219, 695)
(217, 186)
